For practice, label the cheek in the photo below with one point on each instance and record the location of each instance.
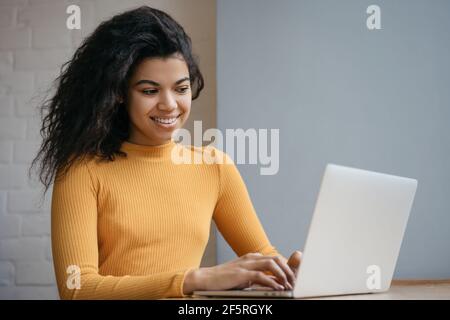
(140, 105)
(185, 104)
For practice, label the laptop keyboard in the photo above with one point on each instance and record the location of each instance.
(257, 287)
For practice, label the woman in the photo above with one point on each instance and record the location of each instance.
(128, 222)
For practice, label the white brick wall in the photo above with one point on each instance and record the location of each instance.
(34, 42)
(6, 61)
(15, 38)
(7, 105)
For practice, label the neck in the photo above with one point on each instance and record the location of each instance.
(161, 151)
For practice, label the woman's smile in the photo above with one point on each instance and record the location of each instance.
(166, 122)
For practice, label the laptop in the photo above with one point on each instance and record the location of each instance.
(354, 237)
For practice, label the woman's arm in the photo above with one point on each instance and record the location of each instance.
(259, 262)
(235, 215)
(74, 243)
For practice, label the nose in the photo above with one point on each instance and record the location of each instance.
(167, 102)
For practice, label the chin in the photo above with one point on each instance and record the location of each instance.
(165, 137)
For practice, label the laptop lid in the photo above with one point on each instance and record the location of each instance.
(356, 232)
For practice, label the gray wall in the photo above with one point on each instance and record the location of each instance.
(338, 92)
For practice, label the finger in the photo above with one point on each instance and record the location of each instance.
(290, 274)
(268, 264)
(286, 269)
(295, 260)
(261, 278)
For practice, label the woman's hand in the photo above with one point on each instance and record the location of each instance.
(294, 261)
(253, 268)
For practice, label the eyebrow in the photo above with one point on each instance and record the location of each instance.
(154, 83)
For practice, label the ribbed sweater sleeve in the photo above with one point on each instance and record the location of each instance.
(74, 242)
(235, 215)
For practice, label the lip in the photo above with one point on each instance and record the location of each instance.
(165, 117)
(166, 125)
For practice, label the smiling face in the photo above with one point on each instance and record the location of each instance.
(159, 100)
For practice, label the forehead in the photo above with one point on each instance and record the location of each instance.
(161, 69)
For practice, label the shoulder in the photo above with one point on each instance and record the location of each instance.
(81, 170)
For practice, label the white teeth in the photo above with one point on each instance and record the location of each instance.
(165, 121)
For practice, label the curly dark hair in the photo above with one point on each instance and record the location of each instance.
(86, 115)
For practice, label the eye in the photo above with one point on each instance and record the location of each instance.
(182, 89)
(150, 91)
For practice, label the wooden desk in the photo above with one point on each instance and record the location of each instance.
(400, 290)
(407, 290)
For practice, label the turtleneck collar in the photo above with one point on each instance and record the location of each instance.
(162, 151)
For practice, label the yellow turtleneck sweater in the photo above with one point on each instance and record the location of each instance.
(135, 226)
